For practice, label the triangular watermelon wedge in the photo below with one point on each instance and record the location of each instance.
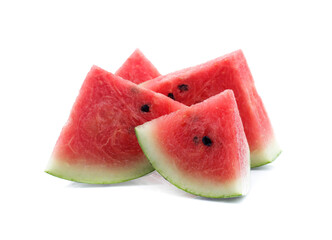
(98, 142)
(202, 149)
(195, 84)
(137, 68)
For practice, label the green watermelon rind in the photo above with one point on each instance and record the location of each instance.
(93, 182)
(270, 161)
(169, 179)
(107, 180)
(265, 156)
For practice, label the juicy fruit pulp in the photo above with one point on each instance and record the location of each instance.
(193, 85)
(98, 143)
(202, 149)
(137, 68)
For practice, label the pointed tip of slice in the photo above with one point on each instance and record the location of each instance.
(137, 52)
(137, 68)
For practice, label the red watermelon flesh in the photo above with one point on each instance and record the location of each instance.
(202, 149)
(98, 142)
(195, 84)
(137, 68)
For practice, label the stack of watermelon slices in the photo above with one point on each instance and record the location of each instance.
(201, 128)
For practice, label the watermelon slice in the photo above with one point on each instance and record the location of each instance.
(137, 68)
(195, 84)
(98, 143)
(202, 149)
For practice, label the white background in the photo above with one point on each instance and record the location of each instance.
(46, 50)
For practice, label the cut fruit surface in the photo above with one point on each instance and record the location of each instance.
(137, 68)
(201, 149)
(98, 142)
(195, 84)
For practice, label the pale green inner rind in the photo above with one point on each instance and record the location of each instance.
(201, 187)
(266, 155)
(97, 174)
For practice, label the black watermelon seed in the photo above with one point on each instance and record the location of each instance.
(183, 87)
(207, 141)
(145, 108)
(195, 139)
(170, 95)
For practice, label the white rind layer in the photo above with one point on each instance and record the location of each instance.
(97, 174)
(201, 187)
(265, 156)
